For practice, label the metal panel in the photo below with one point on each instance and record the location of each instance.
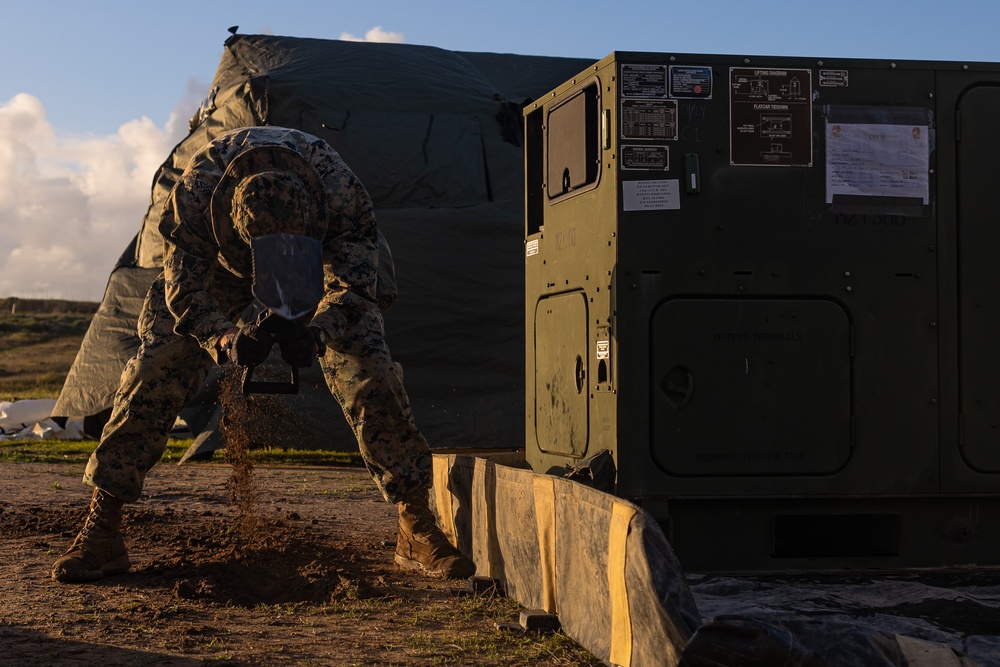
(561, 371)
(750, 387)
(800, 325)
(979, 240)
(572, 143)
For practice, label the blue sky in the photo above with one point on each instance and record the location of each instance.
(98, 64)
(94, 95)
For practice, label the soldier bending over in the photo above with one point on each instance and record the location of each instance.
(248, 183)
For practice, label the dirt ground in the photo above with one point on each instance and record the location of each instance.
(316, 586)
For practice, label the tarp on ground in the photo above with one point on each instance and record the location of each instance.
(435, 136)
(29, 420)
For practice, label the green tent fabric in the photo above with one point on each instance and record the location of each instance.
(435, 137)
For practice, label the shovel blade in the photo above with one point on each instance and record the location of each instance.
(287, 274)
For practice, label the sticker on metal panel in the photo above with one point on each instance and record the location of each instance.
(643, 80)
(650, 158)
(531, 248)
(877, 160)
(770, 117)
(649, 119)
(658, 195)
(833, 78)
(603, 349)
(691, 82)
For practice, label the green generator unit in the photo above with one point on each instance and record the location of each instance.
(768, 286)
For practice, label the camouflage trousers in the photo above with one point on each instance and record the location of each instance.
(168, 369)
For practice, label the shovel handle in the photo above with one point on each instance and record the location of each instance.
(251, 386)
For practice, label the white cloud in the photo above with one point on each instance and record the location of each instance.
(69, 205)
(376, 34)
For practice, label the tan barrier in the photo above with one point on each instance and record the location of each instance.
(604, 566)
(599, 562)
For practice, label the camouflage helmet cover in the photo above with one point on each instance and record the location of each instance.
(265, 190)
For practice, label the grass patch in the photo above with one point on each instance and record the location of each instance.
(38, 344)
(493, 647)
(305, 457)
(69, 451)
(39, 339)
(78, 451)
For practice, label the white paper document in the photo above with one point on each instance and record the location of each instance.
(877, 160)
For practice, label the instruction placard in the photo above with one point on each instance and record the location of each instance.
(658, 195)
(656, 158)
(649, 119)
(770, 117)
(644, 80)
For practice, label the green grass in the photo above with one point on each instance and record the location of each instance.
(77, 451)
(69, 451)
(514, 647)
(305, 457)
(38, 343)
(39, 340)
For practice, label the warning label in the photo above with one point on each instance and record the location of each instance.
(691, 82)
(771, 116)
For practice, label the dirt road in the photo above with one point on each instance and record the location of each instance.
(317, 587)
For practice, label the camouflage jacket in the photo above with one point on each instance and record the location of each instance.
(192, 253)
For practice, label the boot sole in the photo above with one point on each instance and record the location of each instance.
(117, 566)
(410, 564)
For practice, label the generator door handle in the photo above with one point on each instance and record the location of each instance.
(680, 389)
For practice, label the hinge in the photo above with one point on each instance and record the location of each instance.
(851, 340)
(958, 125)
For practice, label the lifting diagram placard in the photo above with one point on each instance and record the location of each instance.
(770, 117)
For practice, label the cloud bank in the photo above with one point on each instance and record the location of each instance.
(376, 34)
(69, 205)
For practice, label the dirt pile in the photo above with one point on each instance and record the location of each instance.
(259, 557)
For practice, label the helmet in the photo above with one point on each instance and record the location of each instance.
(268, 189)
(270, 202)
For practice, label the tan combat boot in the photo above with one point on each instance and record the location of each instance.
(421, 545)
(99, 549)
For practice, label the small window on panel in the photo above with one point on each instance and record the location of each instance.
(573, 143)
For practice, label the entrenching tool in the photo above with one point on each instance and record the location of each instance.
(287, 285)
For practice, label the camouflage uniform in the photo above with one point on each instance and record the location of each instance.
(205, 286)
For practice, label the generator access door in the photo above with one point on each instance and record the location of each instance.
(979, 275)
(561, 373)
(750, 387)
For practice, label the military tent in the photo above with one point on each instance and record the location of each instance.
(435, 136)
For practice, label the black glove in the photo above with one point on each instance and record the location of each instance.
(298, 345)
(250, 346)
